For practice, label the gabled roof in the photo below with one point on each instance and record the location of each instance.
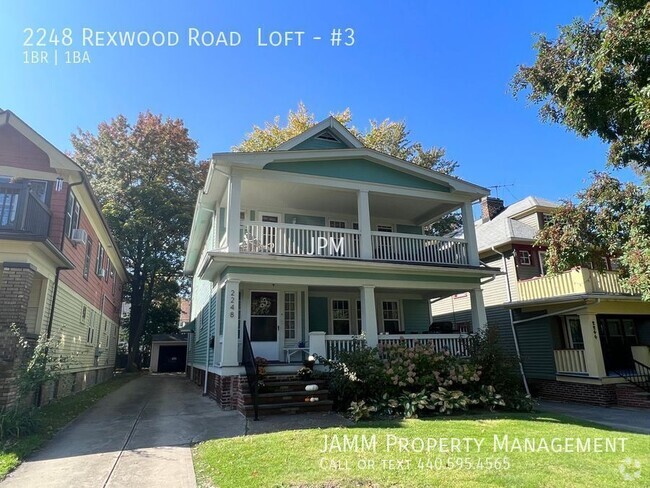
(330, 126)
(505, 228)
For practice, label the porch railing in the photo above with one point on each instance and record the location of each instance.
(414, 248)
(454, 343)
(639, 376)
(248, 359)
(21, 212)
(570, 361)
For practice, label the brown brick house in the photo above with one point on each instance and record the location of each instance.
(61, 272)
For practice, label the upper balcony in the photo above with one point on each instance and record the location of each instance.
(577, 281)
(22, 214)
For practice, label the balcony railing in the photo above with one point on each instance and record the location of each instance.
(574, 282)
(570, 361)
(21, 212)
(418, 248)
(307, 240)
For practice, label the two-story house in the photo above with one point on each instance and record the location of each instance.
(579, 334)
(308, 245)
(61, 273)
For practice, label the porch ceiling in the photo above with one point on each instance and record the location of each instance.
(273, 194)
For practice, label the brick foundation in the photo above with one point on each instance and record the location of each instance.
(632, 396)
(601, 395)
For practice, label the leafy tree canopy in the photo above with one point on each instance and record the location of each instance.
(595, 79)
(610, 219)
(146, 180)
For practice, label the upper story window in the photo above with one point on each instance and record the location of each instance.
(337, 224)
(72, 215)
(99, 263)
(546, 218)
(524, 258)
(113, 279)
(39, 189)
(87, 259)
(385, 228)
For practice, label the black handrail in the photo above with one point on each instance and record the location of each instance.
(639, 377)
(248, 358)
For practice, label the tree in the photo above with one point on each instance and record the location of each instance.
(594, 79)
(388, 137)
(610, 219)
(146, 180)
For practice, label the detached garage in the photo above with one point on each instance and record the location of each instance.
(168, 353)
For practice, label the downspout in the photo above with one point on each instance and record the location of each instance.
(512, 324)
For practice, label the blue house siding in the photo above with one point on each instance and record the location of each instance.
(536, 347)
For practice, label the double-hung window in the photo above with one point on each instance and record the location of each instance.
(72, 215)
(341, 317)
(89, 253)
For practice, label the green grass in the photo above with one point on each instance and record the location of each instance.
(51, 418)
(294, 458)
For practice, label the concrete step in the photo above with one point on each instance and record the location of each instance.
(285, 397)
(290, 408)
(271, 386)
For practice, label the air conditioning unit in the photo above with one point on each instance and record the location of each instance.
(80, 236)
(101, 273)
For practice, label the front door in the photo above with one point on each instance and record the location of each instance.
(617, 336)
(264, 324)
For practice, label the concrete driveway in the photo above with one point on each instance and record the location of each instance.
(137, 436)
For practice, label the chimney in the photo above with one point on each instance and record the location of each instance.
(490, 208)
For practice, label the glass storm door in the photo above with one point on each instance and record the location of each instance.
(264, 324)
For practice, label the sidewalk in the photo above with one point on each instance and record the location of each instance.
(627, 419)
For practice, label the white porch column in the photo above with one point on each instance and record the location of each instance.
(230, 346)
(479, 318)
(593, 351)
(469, 233)
(234, 208)
(363, 210)
(369, 315)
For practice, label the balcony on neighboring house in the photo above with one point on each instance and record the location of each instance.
(577, 281)
(22, 213)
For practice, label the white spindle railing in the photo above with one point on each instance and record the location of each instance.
(412, 248)
(299, 240)
(456, 344)
(570, 361)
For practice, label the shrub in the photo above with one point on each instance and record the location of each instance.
(446, 401)
(15, 422)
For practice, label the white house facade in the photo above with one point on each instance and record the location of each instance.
(316, 242)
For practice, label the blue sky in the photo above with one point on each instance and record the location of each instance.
(443, 67)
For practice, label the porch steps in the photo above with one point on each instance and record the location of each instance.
(284, 394)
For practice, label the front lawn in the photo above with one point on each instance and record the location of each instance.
(51, 418)
(416, 453)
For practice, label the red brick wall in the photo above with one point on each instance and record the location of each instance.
(602, 395)
(632, 396)
(93, 288)
(18, 151)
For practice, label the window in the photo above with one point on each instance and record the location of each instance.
(337, 224)
(89, 252)
(289, 315)
(39, 189)
(91, 328)
(340, 316)
(99, 264)
(385, 228)
(390, 314)
(573, 333)
(113, 279)
(546, 219)
(524, 258)
(72, 215)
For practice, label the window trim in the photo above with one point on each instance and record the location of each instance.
(99, 261)
(399, 315)
(529, 257)
(88, 257)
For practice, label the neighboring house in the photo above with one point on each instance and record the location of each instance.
(61, 272)
(577, 332)
(185, 307)
(315, 242)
